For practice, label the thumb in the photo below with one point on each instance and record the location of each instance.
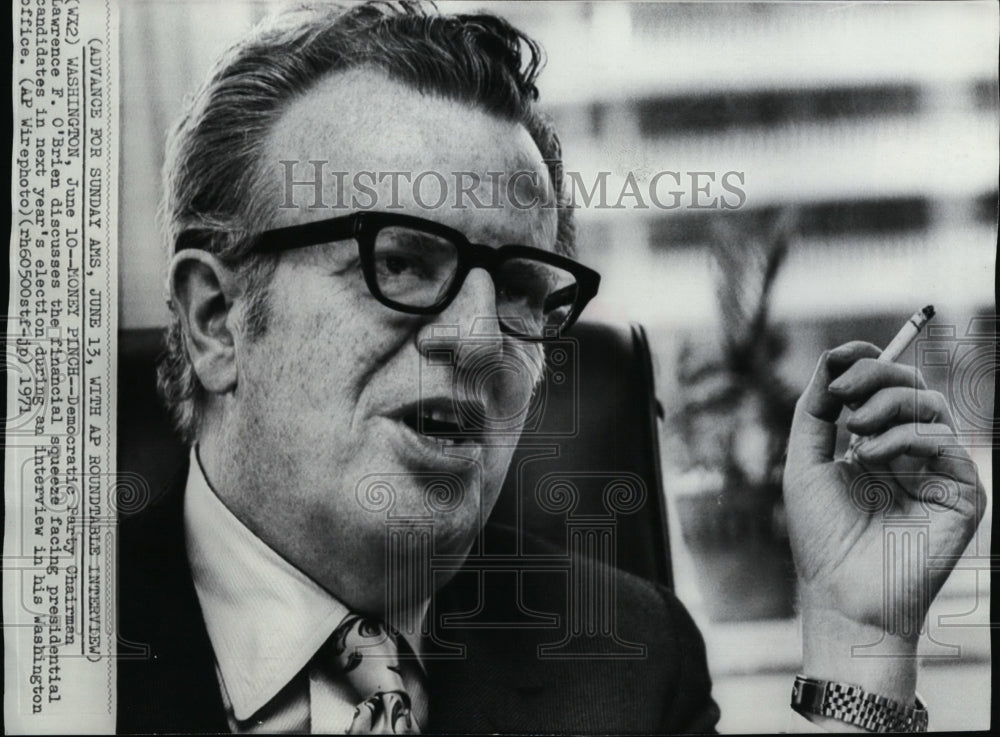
(813, 436)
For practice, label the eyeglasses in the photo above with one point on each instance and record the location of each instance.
(418, 267)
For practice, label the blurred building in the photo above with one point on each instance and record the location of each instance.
(876, 122)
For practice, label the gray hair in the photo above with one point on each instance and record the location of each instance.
(213, 171)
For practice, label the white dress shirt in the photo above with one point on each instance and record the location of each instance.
(266, 619)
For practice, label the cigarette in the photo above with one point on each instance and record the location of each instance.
(906, 335)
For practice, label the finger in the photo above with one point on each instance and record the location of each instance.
(933, 441)
(817, 400)
(843, 356)
(949, 478)
(899, 405)
(954, 463)
(867, 376)
(814, 430)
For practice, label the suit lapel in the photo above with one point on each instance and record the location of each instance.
(503, 683)
(497, 684)
(479, 691)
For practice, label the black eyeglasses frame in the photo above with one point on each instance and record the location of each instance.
(364, 227)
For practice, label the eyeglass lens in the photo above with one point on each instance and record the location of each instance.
(418, 269)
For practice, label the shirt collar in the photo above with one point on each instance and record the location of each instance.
(265, 618)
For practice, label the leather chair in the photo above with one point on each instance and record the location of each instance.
(586, 474)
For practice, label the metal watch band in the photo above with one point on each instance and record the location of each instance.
(853, 705)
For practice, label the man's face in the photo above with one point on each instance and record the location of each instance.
(326, 401)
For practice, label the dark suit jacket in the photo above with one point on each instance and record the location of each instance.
(167, 680)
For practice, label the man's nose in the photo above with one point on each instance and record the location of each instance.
(474, 309)
(479, 361)
(466, 335)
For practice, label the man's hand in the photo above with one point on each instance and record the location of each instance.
(909, 465)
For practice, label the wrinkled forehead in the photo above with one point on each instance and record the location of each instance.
(359, 140)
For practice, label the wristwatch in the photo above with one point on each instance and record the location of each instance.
(853, 705)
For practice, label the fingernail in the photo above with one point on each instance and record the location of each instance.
(837, 385)
(868, 446)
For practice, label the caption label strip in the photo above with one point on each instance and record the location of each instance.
(59, 537)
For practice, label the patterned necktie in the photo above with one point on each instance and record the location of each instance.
(367, 655)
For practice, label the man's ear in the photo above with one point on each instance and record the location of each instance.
(203, 290)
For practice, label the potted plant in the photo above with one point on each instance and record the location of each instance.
(731, 427)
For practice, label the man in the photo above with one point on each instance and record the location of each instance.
(300, 365)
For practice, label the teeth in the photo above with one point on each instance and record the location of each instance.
(440, 415)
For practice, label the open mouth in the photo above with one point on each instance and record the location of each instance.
(443, 424)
